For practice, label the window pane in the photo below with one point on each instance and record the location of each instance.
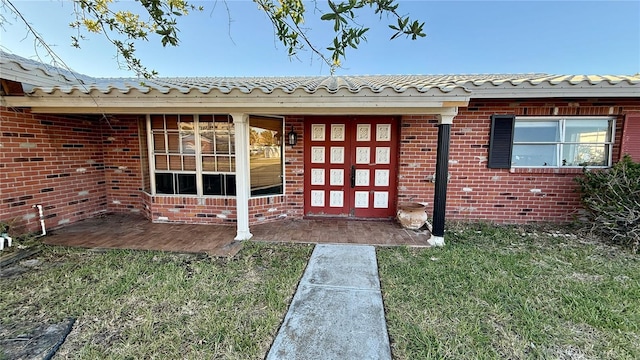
(534, 155)
(222, 138)
(175, 163)
(587, 131)
(164, 183)
(158, 142)
(536, 131)
(161, 162)
(172, 122)
(224, 164)
(187, 184)
(188, 140)
(174, 142)
(219, 184)
(157, 122)
(189, 163)
(212, 184)
(585, 155)
(206, 130)
(206, 142)
(265, 159)
(205, 119)
(208, 163)
(230, 182)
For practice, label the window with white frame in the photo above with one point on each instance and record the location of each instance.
(193, 154)
(265, 160)
(551, 141)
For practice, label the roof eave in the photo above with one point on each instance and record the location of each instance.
(290, 104)
(13, 72)
(568, 92)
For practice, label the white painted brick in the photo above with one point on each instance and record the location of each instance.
(28, 216)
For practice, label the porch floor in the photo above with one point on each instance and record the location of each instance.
(126, 231)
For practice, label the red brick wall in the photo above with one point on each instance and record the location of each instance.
(194, 210)
(417, 159)
(123, 163)
(267, 209)
(54, 161)
(476, 192)
(78, 167)
(294, 169)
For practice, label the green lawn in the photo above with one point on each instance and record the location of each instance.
(510, 293)
(492, 292)
(136, 304)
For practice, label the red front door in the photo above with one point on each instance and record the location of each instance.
(350, 166)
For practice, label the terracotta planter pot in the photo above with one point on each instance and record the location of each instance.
(412, 216)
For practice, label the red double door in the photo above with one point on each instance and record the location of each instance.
(350, 166)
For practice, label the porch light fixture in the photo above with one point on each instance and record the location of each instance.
(292, 137)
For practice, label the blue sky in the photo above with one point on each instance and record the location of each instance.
(463, 37)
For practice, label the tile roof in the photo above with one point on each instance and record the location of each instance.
(49, 79)
(39, 72)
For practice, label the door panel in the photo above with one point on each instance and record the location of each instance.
(349, 166)
(326, 167)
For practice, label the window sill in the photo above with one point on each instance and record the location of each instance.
(191, 196)
(550, 170)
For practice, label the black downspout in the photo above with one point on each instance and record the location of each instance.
(442, 174)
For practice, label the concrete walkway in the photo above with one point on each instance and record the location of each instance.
(337, 311)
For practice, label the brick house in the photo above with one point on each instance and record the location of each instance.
(242, 151)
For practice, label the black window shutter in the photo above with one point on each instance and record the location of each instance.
(501, 141)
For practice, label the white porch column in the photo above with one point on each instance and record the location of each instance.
(241, 124)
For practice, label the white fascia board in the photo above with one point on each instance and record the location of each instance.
(264, 104)
(557, 92)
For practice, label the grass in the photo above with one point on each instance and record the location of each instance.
(138, 304)
(491, 293)
(516, 293)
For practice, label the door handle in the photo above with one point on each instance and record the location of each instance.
(353, 176)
